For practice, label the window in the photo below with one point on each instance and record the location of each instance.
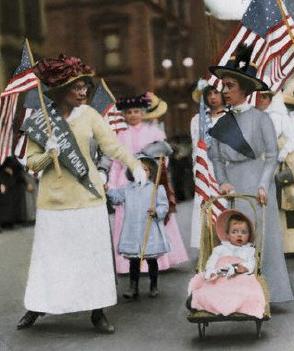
(111, 37)
(112, 49)
(159, 44)
(10, 17)
(183, 9)
(171, 7)
(33, 18)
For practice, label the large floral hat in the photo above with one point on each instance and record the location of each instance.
(239, 66)
(57, 73)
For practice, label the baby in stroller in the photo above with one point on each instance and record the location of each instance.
(228, 284)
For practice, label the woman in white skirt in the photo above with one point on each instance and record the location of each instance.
(214, 101)
(72, 264)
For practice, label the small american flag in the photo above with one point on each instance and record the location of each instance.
(24, 79)
(263, 27)
(104, 102)
(206, 185)
(116, 120)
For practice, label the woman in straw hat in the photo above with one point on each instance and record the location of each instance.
(244, 154)
(138, 111)
(214, 102)
(72, 265)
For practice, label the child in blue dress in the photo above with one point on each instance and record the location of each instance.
(137, 207)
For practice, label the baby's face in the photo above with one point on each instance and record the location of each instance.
(238, 233)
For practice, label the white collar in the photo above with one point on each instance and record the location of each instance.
(75, 113)
(227, 243)
(241, 108)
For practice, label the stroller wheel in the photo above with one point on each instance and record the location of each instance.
(258, 329)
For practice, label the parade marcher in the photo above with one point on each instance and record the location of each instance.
(214, 101)
(140, 133)
(244, 154)
(134, 224)
(71, 265)
(274, 105)
(13, 200)
(228, 284)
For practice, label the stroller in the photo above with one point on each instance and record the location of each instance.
(209, 240)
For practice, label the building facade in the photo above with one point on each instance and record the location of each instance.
(135, 45)
(18, 20)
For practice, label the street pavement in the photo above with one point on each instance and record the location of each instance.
(145, 325)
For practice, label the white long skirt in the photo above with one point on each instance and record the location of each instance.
(71, 265)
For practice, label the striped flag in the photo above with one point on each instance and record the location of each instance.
(23, 79)
(104, 102)
(116, 119)
(206, 185)
(263, 27)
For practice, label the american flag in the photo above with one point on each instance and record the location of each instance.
(116, 120)
(22, 80)
(263, 27)
(104, 102)
(206, 185)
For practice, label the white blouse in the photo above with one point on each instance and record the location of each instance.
(245, 252)
(283, 123)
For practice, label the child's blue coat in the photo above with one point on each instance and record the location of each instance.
(137, 201)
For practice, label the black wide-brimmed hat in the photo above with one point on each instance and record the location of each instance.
(239, 66)
(141, 101)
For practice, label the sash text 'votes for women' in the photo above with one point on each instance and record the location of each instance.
(70, 156)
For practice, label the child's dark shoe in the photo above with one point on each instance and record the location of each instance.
(133, 292)
(153, 292)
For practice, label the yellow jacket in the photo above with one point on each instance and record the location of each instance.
(66, 192)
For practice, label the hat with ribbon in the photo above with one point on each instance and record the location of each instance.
(240, 67)
(157, 107)
(222, 222)
(141, 101)
(60, 72)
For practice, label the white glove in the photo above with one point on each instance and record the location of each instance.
(52, 144)
(140, 175)
(282, 155)
(231, 271)
(103, 177)
(209, 272)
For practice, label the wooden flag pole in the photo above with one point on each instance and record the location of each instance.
(152, 207)
(45, 113)
(281, 6)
